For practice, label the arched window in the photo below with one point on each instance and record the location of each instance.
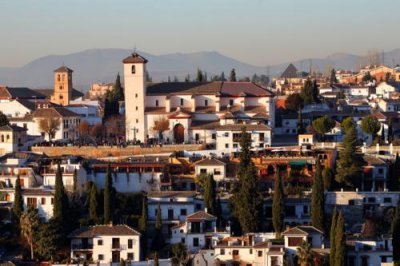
(133, 70)
(8, 137)
(2, 138)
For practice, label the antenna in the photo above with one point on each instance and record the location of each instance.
(383, 57)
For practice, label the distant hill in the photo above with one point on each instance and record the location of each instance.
(102, 65)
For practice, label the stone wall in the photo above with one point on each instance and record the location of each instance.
(105, 151)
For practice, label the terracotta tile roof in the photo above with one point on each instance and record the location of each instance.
(171, 194)
(200, 216)
(37, 192)
(209, 162)
(134, 58)
(238, 127)
(64, 69)
(104, 230)
(255, 109)
(248, 88)
(20, 92)
(302, 230)
(54, 112)
(12, 128)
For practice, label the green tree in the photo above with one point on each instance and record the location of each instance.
(328, 177)
(317, 199)
(332, 238)
(367, 77)
(333, 79)
(370, 125)
(210, 195)
(60, 207)
(200, 75)
(29, 224)
(180, 255)
(310, 92)
(349, 162)
(108, 186)
(232, 76)
(347, 124)
(48, 240)
(396, 236)
(18, 206)
(340, 241)
(323, 125)
(394, 174)
(158, 239)
(278, 204)
(93, 204)
(294, 102)
(390, 131)
(3, 120)
(118, 90)
(142, 225)
(300, 124)
(247, 200)
(75, 182)
(304, 254)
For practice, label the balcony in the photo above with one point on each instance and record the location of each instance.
(82, 246)
(118, 247)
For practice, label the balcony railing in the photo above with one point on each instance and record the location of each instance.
(118, 246)
(82, 247)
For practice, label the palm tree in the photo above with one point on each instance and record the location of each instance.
(304, 254)
(29, 223)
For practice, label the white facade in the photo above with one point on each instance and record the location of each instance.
(106, 243)
(67, 170)
(383, 90)
(295, 236)
(88, 113)
(210, 166)
(370, 251)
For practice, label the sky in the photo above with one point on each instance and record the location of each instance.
(258, 32)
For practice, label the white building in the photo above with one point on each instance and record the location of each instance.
(383, 90)
(211, 166)
(129, 177)
(196, 105)
(175, 206)
(106, 243)
(13, 139)
(196, 232)
(369, 251)
(87, 112)
(12, 168)
(228, 137)
(293, 238)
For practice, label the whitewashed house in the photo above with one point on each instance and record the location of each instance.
(196, 232)
(105, 243)
(369, 251)
(293, 238)
(211, 166)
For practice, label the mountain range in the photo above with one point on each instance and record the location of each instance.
(102, 65)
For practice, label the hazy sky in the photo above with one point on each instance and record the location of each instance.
(259, 32)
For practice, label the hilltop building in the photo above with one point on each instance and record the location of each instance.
(194, 110)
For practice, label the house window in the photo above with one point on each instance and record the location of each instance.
(195, 242)
(32, 202)
(261, 137)
(387, 200)
(305, 209)
(235, 252)
(227, 145)
(231, 102)
(136, 95)
(133, 69)
(205, 102)
(43, 201)
(100, 257)
(52, 201)
(156, 103)
(130, 243)
(100, 242)
(380, 170)
(260, 253)
(213, 136)
(222, 251)
(58, 77)
(295, 241)
(183, 212)
(181, 102)
(251, 251)
(130, 256)
(137, 108)
(61, 97)
(226, 134)
(183, 240)
(203, 171)
(137, 121)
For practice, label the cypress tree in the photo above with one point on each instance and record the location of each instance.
(93, 204)
(18, 207)
(340, 241)
(210, 194)
(247, 200)
(158, 239)
(118, 90)
(143, 227)
(232, 76)
(396, 236)
(300, 127)
(394, 174)
(218, 212)
(390, 131)
(59, 197)
(108, 197)
(332, 240)
(349, 162)
(317, 199)
(278, 204)
(75, 180)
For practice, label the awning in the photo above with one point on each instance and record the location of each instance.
(298, 163)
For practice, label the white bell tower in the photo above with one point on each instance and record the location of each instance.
(135, 97)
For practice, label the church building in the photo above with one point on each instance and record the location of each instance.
(197, 112)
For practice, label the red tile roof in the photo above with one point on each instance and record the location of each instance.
(104, 230)
(134, 58)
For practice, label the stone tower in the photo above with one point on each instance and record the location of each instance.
(135, 97)
(62, 86)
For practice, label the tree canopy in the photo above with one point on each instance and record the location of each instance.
(310, 92)
(232, 76)
(323, 125)
(317, 199)
(370, 125)
(294, 102)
